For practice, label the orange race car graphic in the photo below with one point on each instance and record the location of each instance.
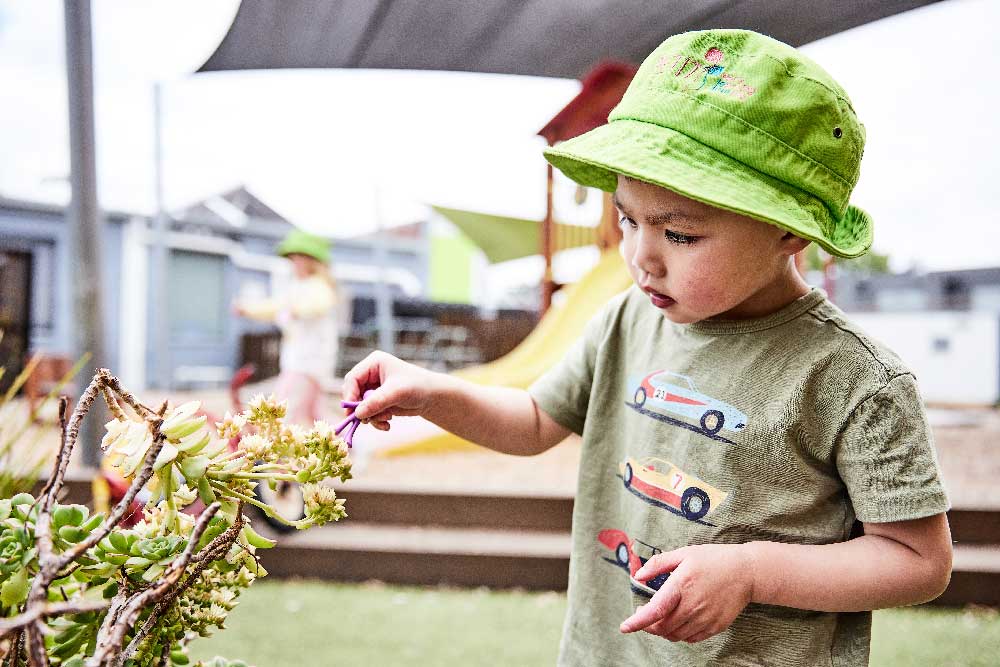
(663, 484)
(672, 398)
(625, 556)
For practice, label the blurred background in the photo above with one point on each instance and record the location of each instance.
(154, 154)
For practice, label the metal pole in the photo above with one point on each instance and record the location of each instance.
(383, 299)
(548, 283)
(160, 254)
(84, 225)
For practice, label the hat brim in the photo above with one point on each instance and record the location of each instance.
(672, 160)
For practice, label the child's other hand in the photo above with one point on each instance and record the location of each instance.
(398, 388)
(708, 587)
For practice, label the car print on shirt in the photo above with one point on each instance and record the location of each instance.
(677, 394)
(626, 555)
(663, 484)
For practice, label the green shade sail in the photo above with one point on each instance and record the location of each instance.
(503, 238)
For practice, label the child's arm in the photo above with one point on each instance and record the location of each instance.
(315, 297)
(500, 418)
(892, 564)
(263, 310)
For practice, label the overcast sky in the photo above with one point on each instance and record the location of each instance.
(322, 146)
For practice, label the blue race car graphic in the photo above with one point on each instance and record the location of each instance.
(664, 391)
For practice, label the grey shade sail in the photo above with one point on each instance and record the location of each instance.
(559, 38)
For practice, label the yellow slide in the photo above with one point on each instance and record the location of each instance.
(543, 347)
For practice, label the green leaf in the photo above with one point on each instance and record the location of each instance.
(185, 429)
(110, 590)
(119, 542)
(72, 534)
(192, 446)
(15, 590)
(194, 467)
(153, 571)
(116, 559)
(92, 523)
(205, 491)
(255, 540)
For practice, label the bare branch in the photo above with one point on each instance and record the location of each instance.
(112, 403)
(115, 385)
(70, 434)
(213, 551)
(10, 625)
(63, 418)
(111, 619)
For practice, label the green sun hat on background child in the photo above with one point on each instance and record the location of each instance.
(298, 242)
(741, 122)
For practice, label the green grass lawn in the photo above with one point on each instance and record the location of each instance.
(281, 624)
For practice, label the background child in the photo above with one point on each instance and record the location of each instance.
(305, 313)
(732, 418)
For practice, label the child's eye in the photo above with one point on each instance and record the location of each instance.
(625, 220)
(680, 239)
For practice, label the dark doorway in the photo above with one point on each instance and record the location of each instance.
(15, 313)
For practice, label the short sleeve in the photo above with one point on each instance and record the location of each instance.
(313, 298)
(563, 392)
(885, 455)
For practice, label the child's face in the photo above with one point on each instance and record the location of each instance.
(696, 262)
(303, 266)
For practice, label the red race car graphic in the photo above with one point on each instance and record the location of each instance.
(625, 557)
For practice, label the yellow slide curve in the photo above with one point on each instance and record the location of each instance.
(543, 347)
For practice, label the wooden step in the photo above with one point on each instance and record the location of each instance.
(975, 577)
(510, 512)
(514, 541)
(536, 560)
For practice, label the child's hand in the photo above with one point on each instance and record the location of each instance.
(399, 388)
(708, 587)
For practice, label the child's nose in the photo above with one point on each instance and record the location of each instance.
(647, 254)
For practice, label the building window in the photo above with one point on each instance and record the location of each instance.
(955, 294)
(196, 297)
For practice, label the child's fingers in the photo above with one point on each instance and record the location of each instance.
(380, 425)
(700, 637)
(365, 375)
(660, 563)
(663, 603)
(678, 632)
(377, 402)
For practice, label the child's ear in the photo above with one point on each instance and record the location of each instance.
(793, 244)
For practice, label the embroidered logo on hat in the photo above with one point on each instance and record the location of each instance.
(725, 83)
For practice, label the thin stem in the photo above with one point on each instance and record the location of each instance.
(21, 621)
(270, 511)
(252, 475)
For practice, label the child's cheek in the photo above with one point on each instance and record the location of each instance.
(703, 289)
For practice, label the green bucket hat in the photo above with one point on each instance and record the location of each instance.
(298, 242)
(741, 122)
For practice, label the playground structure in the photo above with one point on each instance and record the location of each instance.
(561, 324)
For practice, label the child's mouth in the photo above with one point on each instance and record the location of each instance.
(659, 300)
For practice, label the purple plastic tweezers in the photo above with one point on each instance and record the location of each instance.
(352, 422)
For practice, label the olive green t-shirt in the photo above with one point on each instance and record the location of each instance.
(790, 427)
